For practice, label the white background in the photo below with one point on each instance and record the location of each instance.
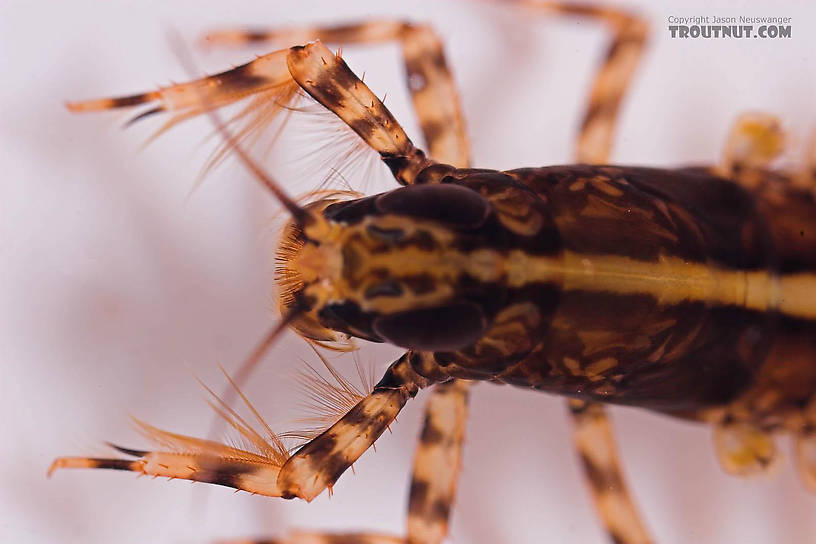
(116, 287)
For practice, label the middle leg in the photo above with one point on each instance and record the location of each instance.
(592, 432)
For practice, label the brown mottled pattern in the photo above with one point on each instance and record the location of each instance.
(514, 332)
(437, 462)
(329, 80)
(645, 213)
(744, 368)
(627, 349)
(593, 434)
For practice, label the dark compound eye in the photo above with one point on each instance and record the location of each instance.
(450, 204)
(350, 212)
(347, 317)
(446, 328)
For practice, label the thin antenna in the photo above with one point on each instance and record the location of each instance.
(300, 215)
(240, 376)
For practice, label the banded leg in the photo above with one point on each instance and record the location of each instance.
(319, 463)
(428, 76)
(599, 458)
(592, 432)
(437, 462)
(629, 33)
(433, 486)
(272, 81)
(269, 469)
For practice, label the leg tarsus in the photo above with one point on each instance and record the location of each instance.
(238, 469)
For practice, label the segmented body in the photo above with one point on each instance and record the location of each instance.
(688, 292)
(672, 290)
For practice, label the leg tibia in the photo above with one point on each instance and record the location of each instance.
(319, 464)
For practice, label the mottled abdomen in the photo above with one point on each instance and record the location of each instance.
(783, 392)
(665, 293)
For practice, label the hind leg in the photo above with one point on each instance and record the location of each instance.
(592, 432)
(755, 140)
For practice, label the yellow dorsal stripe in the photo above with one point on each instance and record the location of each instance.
(670, 280)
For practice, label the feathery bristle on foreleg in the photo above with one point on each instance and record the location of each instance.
(254, 463)
(328, 399)
(319, 464)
